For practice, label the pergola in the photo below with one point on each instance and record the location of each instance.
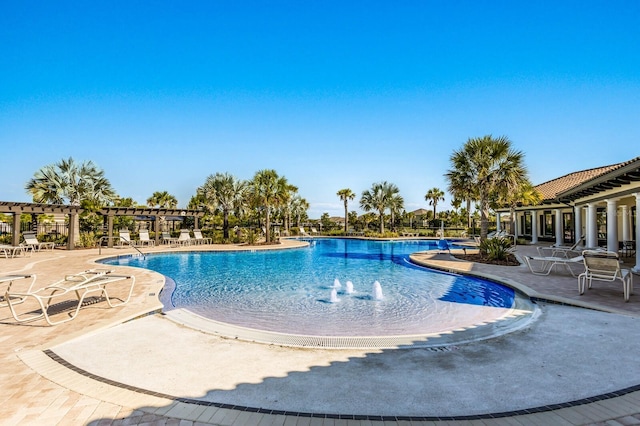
(16, 209)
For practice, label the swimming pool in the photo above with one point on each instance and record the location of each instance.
(295, 290)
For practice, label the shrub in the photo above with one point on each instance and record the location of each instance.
(495, 248)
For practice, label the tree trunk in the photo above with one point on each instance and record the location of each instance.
(225, 224)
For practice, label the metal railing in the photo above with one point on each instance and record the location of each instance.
(118, 237)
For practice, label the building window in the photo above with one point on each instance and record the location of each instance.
(548, 224)
(525, 223)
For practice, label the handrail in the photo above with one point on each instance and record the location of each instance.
(106, 237)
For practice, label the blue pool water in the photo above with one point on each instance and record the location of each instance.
(290, 290)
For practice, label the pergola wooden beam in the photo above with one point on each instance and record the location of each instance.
(16, 209)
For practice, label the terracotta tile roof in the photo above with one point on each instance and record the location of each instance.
(552, 188)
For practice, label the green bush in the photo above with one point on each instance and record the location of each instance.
(495, 248)
(87, 239)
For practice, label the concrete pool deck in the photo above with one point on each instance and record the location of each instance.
(97, 369)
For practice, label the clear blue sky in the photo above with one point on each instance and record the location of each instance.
(330, 94)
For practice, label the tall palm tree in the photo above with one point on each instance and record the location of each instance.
(298, 207)
(73, 183)
(461, 181)
(225, 193)
(268, 192)
(433, 196)
(162, 200)
(346, 195)
(395, 205)
(379, 198)
(485, 167)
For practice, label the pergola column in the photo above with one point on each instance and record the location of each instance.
(534, 227)
(156, 229)
(15, 234)
(498, 224)
(636, 268)
(559, 233)
(72, 232)
(612, 225)
(109, 230)
(577, 222)
(592, 225)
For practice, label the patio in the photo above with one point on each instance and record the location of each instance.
(38, 389)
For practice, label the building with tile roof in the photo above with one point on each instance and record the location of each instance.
(599, 205)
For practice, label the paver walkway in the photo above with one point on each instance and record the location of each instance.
(31, 390)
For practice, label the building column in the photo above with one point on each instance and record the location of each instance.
(592, 225)
(498, 224)
(559, 230)
(636, 268)
(626, 223)
(577, 222)
(534, 227)
(612, 225)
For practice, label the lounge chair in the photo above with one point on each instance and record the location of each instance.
(168, 239)
(75, 286)
(547, 263)
(604, 266)
(10, 279)
(125, 238)
(144, 238)
(199, 239)
(30, 240)
(14, 251)
(314, 231)
(304, 233)
(562, 250)
(184, 238)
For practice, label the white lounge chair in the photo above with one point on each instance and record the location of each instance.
(168, 239)
(144, 238)
(304, 233)
(10, 279)
(125, 238)
(547, 263)
(604, 266)
(75, 287)
(30, 240)
(562, 250)
(184, 238)
(199, 239)
(14, 251)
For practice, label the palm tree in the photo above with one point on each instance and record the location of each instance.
(433, 196)
(298, 207)
(268, 191)
(461, 181)
(395, 205)
(346, 195)
(162, 200)
(483, 168)
(73, 183)
(379, 198)
(524, 195)
(225, 193)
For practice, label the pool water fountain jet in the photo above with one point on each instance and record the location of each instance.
(377, 291)
(336, 283)
(334, 296)
(349, 289)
